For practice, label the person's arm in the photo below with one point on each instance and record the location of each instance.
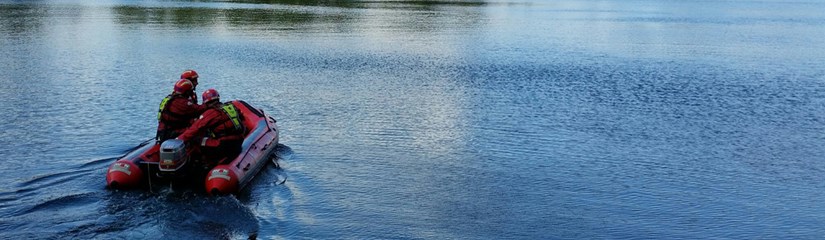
(196, 127)
(192, 109)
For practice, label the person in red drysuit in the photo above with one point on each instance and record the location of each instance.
(219, 131)
(177, 111)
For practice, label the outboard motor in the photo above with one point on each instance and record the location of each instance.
(172, 156)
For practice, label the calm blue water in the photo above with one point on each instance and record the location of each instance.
(522, 119)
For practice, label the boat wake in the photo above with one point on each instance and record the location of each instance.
(71, 203)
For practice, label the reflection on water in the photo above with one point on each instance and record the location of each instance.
(17, 19)
(419, 5)
(419, 16)
(269, 19)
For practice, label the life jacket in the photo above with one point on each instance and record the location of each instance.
(234, 118)
(171, 119)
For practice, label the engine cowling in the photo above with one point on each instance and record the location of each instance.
(173, 155)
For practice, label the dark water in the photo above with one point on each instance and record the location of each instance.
(517, 119)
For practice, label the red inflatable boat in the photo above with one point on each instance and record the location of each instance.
(166, 161)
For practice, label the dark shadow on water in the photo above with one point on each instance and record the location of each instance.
(283, 153)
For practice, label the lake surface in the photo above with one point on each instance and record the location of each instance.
(522, 119)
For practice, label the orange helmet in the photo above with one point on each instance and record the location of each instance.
(191, 75)
(183, 86)
(210, 94)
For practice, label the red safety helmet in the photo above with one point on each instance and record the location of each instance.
(210, 94)
(191, 75)
(183, 86)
